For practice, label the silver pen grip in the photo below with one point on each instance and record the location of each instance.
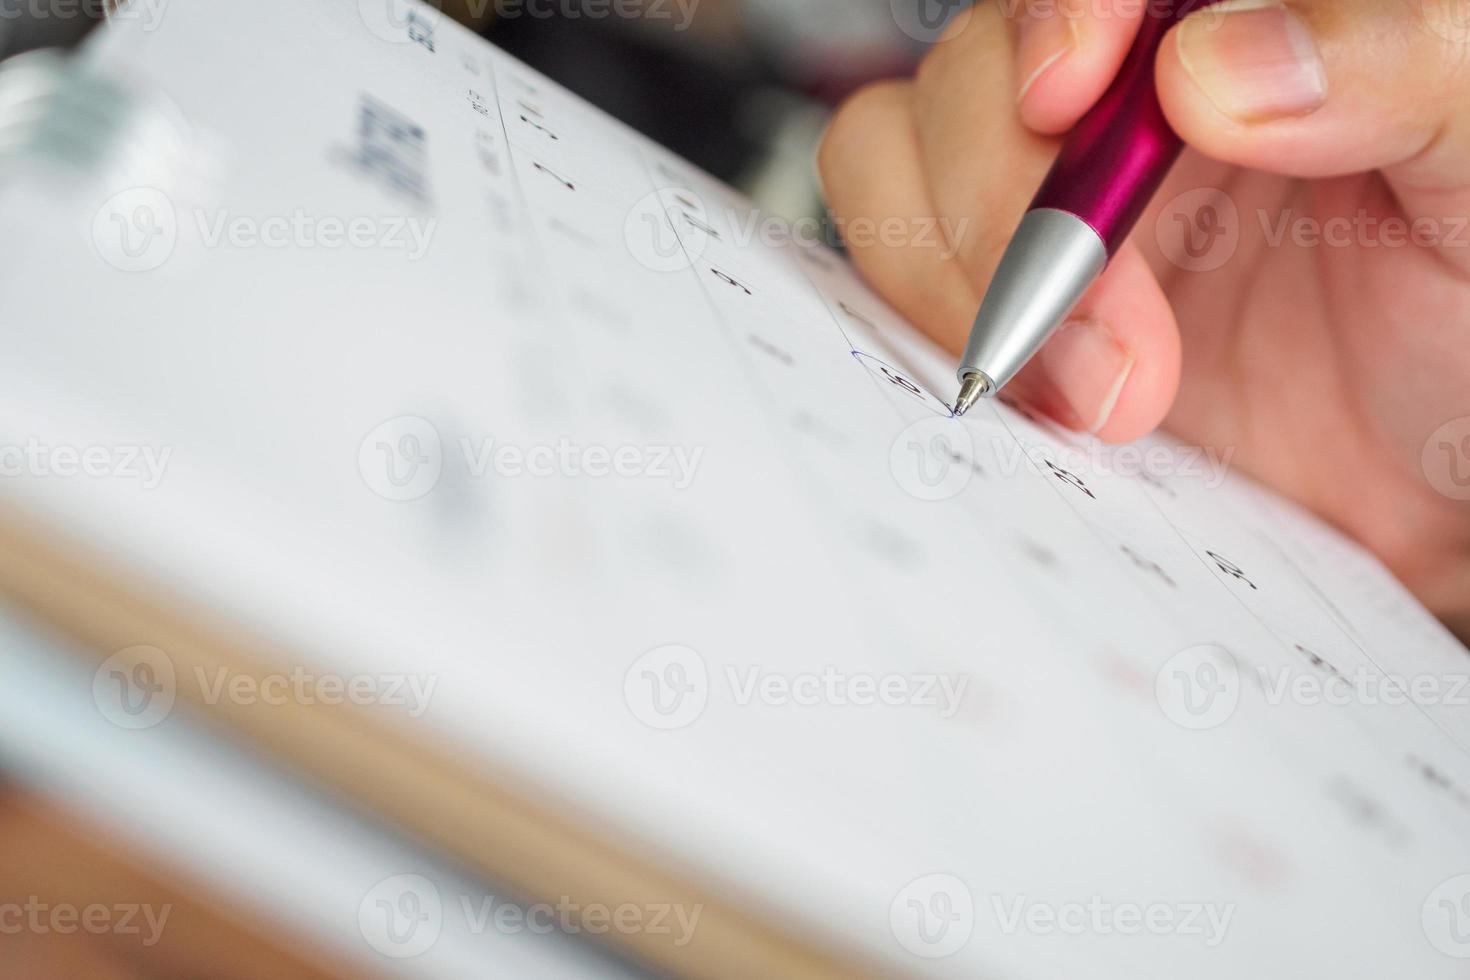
(1048, 265)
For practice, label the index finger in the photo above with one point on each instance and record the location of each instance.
(1068, 52)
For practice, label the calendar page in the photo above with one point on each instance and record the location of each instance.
(333, 323)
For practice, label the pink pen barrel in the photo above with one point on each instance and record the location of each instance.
(1120, 151)
(1109, 168)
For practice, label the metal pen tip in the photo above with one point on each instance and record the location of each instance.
(972, 389)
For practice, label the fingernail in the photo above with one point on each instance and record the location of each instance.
(1087, 369)
(1254, 61)
(1043, 41)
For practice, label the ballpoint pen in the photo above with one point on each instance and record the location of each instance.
(1109, 168)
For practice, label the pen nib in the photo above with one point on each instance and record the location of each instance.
(972, 389)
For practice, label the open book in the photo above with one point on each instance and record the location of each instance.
(372, 397)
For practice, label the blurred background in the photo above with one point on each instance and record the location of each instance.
(743, 89)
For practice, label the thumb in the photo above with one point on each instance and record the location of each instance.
(1324, 88)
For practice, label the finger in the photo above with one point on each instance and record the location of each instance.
(872, 174)
(1319, 88)
(1114, 370)
(979, 160)
(1067, 53)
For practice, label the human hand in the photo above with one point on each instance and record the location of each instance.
(1320, 326)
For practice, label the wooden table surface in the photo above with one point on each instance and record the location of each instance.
(50, 859)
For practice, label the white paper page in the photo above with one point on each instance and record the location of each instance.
(1089, 674)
